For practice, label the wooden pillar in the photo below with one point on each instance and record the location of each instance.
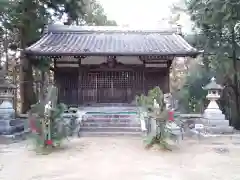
(143, 76)
(54, 71)
(55, 76)
(80, 80)
(167, 78)
(167, 81)
(141, 58)
(80, 97)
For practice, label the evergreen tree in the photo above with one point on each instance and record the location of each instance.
(218, 22)
(26, 20)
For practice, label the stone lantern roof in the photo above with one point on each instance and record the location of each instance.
(213, 85)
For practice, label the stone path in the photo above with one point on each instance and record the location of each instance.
(120, 158)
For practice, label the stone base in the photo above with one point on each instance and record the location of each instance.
(219, 130)
(215, 122)
(213, 115)
(11, 126)
(175, 131)
(173, 128)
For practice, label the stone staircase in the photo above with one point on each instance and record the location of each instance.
(109, 123)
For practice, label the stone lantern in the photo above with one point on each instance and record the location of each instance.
(8, 122)
(213, 95)
(6, 95)
(213, 117)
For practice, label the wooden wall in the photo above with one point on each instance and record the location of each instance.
(91, 85)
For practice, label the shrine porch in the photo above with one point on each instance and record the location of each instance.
(89, 86)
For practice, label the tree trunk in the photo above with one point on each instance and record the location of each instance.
(26, 85)
(15, 90)
(235, 80)
(6, 43)
(26, 78)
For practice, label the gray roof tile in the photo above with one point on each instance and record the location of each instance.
(80, 40)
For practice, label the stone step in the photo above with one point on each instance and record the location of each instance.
(109, 124)
(220, 130)
(215, 122)
(109, 134)
(110, 129)
(111, 120)
(16, 137)
(111, 115)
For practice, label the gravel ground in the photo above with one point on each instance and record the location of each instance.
(122, 158)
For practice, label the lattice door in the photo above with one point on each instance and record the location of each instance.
(89, 87)
(114, 86)
(111, 86)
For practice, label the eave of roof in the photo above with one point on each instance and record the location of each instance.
(61, 40)
(213, 86)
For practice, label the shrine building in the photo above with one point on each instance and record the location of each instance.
(94, 64)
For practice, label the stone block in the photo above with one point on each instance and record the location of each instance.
(11, 126)
(214, 116)
(215, 122)
(174, 129)
(219, 130)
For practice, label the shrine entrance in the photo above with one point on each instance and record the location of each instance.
(111, 86)
(91, 85)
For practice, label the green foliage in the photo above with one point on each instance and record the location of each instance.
(192, 96)
(148, 101)
(154, 104)
(217, 23)
(96, 16)
(27, 17)
(42, 63)
(47, 126)
(24, 22)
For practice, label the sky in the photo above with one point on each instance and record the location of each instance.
(142, 13)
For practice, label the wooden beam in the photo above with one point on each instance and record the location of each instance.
(147, 65)
(67, 65)
(159, 58)
(80, 57)
(67, 62)
(156, 62)
(55, 57)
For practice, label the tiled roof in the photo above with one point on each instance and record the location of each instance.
(86, 40)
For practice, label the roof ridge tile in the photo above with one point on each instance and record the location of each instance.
(57, 28)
